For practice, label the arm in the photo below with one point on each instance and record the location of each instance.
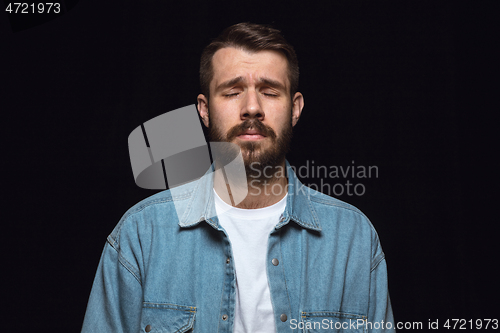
(380, 310)
(116, 298)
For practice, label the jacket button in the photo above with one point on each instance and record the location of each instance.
(228, 261)
(224, 317)
(283, 317)
(148, 328)
(275, 262)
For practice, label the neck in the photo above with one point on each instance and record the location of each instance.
(262, 191)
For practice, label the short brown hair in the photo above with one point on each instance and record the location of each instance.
(251, 37)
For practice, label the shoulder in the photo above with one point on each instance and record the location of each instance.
(340, 218)
(158, 210)
(334, 204)
(329, 207)
(334, 213)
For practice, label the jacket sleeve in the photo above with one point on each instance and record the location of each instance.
(115, 301)
(380, 318)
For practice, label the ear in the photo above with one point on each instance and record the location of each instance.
(203, 108)
(298, 104)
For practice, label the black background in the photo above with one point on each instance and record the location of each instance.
(407, 86)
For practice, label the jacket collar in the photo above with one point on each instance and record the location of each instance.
(194, 203)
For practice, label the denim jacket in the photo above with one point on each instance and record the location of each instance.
(160, 273)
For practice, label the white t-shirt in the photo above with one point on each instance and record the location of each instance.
(248, 231)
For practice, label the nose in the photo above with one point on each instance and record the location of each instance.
(252, 107)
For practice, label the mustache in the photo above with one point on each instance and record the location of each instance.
(253, 124)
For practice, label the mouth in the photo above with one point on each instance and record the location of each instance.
(251, 135)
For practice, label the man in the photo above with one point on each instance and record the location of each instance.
(284, 259)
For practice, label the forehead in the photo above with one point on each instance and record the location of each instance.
(230, 62)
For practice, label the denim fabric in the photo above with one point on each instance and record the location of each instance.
(159, 273)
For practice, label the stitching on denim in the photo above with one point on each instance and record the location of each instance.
(378, 259)
(156, 202)
(183, 310)
(223, 282)
(185, 326)
(313, 212)
(191, 308)
(145, 205)
(190, 323)
(129, 214)
(128, 266)
(351, 208)
(336, 204)
(191, 194)
(335, 314)
(111, 242)
(341, 315)
(286, 286)
(296, 219)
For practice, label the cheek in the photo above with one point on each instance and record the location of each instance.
(220, 122)
(283, 118)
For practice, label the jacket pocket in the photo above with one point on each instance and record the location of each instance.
(167, 318)
(326, 321)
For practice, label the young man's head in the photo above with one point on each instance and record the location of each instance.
(249, 79)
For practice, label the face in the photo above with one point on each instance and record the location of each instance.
(250, 104)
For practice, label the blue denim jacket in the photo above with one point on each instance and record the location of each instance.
(159, 273)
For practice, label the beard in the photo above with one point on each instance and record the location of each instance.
(256, 157)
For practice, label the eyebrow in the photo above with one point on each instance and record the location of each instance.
(272, 83)
(229, 83)
(238, 79)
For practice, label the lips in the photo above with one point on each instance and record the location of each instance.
(250, 129)
(251, 134)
